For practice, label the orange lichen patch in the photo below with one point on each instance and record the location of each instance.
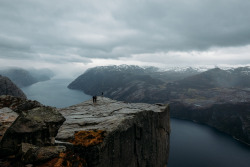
(88, 138)
(57, 162)
(65, 160)
(60, 160)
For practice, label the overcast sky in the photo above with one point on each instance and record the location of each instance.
(72, 35)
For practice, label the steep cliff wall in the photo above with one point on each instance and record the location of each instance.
(123, 134)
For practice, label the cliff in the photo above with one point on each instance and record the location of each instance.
(106, 133)
(117, 133)
(7, 87)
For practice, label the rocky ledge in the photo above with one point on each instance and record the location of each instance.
(111, 133)
(107, 133)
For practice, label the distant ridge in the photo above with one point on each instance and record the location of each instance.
(22, 77)
(239, 77)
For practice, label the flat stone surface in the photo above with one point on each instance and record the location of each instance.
(111, 133)
(105, 114)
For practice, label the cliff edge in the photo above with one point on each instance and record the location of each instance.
(107, 133)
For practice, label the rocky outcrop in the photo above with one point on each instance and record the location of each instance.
(27, 132)
(10, 108)
(17, 104)
(106, 133)
(32, 154)
(7, 87)
(111, 133)
(7, 117)
(38, 126)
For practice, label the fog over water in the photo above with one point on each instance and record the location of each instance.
(192, 145)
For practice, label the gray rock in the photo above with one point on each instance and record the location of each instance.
(111, 133)
(18, 104)
(32, 154)
(7, 117)
(38, 126)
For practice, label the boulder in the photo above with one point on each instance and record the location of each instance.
(38, 126)
(7, 117)
(18, 104)
(32, 154)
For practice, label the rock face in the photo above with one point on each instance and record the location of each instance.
(111, 133)
(7, 117)
(107, 133)
(10, 108)
(27, 132)
(17, 104)
(7, 87)
(38, 126)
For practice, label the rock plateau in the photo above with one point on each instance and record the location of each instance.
(106, 133)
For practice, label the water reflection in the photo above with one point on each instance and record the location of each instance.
(55, 93)
(195, 145)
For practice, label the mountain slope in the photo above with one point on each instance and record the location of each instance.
(239, 77)
(24, 78)
(7, 87)
(128, 83)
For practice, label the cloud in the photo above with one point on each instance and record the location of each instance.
(57, 32)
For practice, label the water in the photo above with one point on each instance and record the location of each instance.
(192, 145)
(196, 145)
(55, 93)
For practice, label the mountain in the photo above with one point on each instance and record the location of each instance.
(128, 83)
(171, 75)
(22, 77)
(134, 83)
(239, 77)
(7, 87)
(212, 97)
